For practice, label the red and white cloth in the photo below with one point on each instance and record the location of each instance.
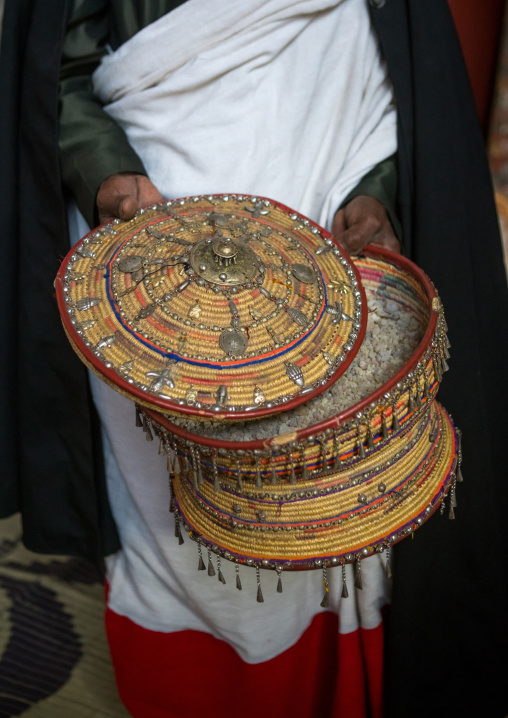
(296, 90)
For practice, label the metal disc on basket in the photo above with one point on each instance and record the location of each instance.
(228, 296)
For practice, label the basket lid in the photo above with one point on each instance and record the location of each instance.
(225, 307)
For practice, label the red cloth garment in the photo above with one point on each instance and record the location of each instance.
(325, 674)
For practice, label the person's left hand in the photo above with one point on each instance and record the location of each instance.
(364, 221)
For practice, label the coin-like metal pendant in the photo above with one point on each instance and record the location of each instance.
(87, 303)
(295, 373)
(191, 394)
(195, 311)
(221, 395)
(133, 263)
(303, 273)
(106, 342)
(328, 358)
(233, 342)
(259, 397)
(146, 311)
(298, 316)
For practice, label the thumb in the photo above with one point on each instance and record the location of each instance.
(127, 206)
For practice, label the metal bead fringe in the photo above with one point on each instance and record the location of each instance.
(388, 566)
(237, 572)
(279, 579)
(259, 597)
(325, 602)
(211, 570)
(345, 592)
(139, 422)
(358, 575)
(216, 482)
(220, 575)
(178, 532)
(201, 563)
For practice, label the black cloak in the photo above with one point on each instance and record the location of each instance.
(446, 642)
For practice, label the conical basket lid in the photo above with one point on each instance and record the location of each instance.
(225, 307)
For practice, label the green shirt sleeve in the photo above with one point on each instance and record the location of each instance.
(381, 183)
(92, 145)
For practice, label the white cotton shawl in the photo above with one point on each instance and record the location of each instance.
(288, 100)
(279, 98)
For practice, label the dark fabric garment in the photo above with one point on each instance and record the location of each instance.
(92, 146)
(50, 448)
(450, 599)
(447, 649)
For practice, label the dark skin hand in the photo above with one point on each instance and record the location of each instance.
(364, 221)
(121, 195)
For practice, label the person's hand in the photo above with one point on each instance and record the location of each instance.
(121, 195)
(364, 221)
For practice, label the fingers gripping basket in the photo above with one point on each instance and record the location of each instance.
(234, 309)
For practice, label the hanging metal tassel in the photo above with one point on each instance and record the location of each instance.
(370, 438)
(259, 480)
(453, 494)
(171, 496)
(437, 368)
(443, 505)
(361, 447)
(169, 464)
(418, 397)
(336, 447)
(216, 482)
(176, 463)
(460, 478)
(447, 342)
(161, 451)
(446, 352)
(279, 579)
(188, 468)
(426, 388)
(324, 464)
(195, 481)
(259, 597)
(211, 570)
(200, 468)
(147, 429)
(272, 467)
(305, 470)
(201, 563)
(345, 592)
(139, 422)
(292, 475)
(411, 404)
(326, 601)
(358, 575)
(444, 365)
(384, 427)
(219, 572)
(237, 571)
(178, 531)
(388, 565)
(239, 482)
(395, 419)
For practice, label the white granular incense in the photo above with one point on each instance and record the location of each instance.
(393, 333)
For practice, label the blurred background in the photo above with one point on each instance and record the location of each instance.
(53, 653)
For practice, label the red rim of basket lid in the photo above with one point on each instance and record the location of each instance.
(334, 421)
(190, 411)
